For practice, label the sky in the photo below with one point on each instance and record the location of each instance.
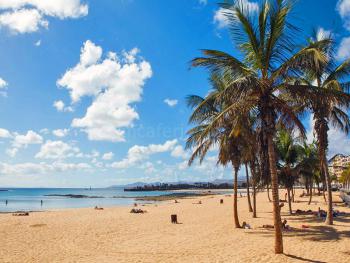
(92, 93)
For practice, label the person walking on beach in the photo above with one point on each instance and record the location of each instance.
(6, 202)
(41, 202)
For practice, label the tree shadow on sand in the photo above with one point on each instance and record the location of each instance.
(303, 259)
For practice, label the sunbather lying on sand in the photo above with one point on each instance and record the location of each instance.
(98, 208)
(137, 211)
(21, 214)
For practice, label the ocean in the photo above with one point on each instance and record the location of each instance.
(29, 199)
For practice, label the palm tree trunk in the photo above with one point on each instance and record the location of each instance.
(254, 200)
(289, 201)
(329, 218)
(293, 194)
(248, 195)
(275, 196)
(322, 138)
(310, 197)
(235, 190)
(268, 192)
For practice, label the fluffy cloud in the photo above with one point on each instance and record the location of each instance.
(108, 156)
(344, 49)
(179, 152)
(220, 17)
(170, 102)
(26, 16)
(3, 87)
(139, 153)
(343, 8)
(60, 132)
(23, 21)
(29, 168)
(56, 150)
(113, 83)
(22, 140)
(5, 133)
(60, 106)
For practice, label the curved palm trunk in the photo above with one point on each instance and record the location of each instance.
(275, 197)
(235, 191)
(268, 192)
(248, 194)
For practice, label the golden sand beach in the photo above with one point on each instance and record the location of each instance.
(205, 233)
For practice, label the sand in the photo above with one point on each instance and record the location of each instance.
(205, 234)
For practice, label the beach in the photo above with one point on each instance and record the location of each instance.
(205, 233)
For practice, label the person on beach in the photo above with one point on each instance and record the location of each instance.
(6, 202)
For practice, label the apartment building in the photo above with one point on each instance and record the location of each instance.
(338, 163)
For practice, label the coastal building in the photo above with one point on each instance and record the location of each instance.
(338, 163)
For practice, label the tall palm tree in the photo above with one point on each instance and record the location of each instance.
(328, 99)
(266, 42)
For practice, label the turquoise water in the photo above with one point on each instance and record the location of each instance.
(29, 199)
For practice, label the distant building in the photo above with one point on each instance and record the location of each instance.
(337, 164)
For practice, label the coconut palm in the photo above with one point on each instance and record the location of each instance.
(266, 42)
(328, 97)
(203, 136)
(345, 178)
(308, 166)
(287, 152)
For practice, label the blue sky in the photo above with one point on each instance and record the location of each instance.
(93, 92)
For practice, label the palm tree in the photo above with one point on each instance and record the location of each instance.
(308, 166)
(203, 135)
(328, 99)
(287, 152)
(266, 42)
(345, 178)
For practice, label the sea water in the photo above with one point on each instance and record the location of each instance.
(29, 199)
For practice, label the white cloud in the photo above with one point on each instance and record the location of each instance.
(203, 2)
(26, 16)
(56, 150)
(37, 43)
(23, 20)
(5, 133)
(322, 33)
(170, 102)
(343, 8)
(60, 106)
(220, 17)
(344, 49)
(179, 152)
(3, 87)
(30, 168)
(108, 156)
(113, 84)
(22, 140)
(139, 153)
(11, 152)
(60, 132)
